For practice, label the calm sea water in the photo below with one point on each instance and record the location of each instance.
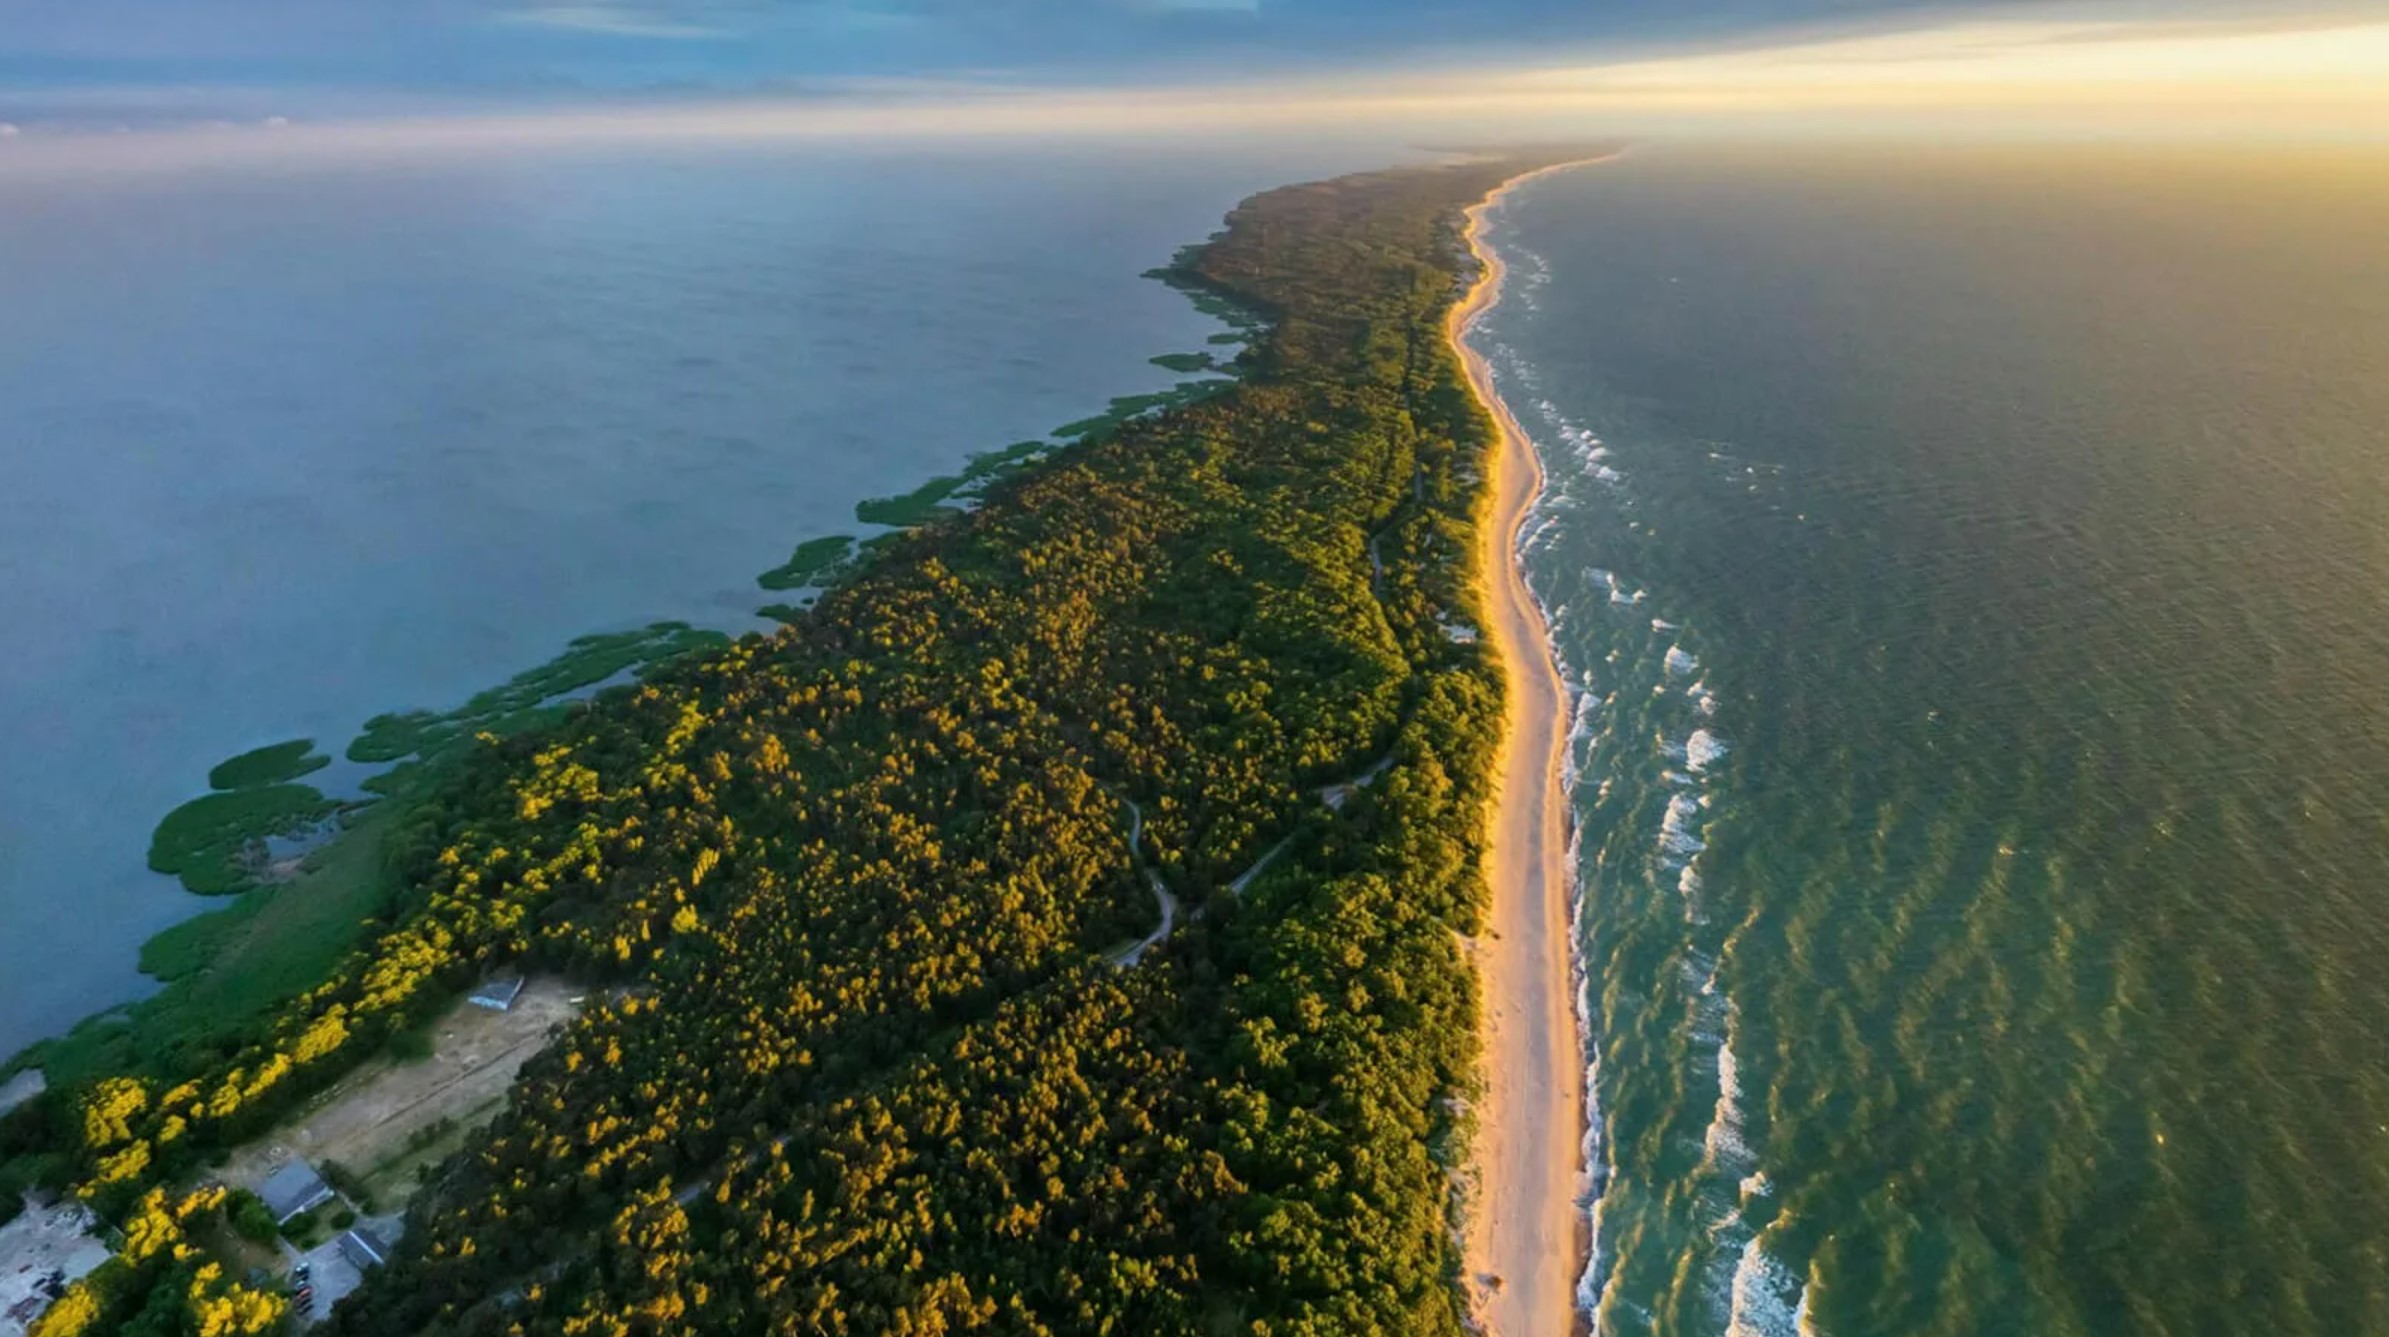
(1976, 568)
(280, 451)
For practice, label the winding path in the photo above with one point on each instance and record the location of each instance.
(1162, 896)
(1135, 951)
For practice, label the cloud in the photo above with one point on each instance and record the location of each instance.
(2012, 77)
(613, 21)
(2020, 57)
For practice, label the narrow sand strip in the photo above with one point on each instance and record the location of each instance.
(1524, 1227)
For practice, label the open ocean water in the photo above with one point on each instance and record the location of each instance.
(1975, 568)
(284, 448)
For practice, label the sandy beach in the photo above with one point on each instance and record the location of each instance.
(1525, 1241)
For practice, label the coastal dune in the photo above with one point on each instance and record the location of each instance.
(1525, 1242)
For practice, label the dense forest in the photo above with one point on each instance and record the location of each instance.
(865, 1053)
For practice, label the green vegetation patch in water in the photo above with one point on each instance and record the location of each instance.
(528, 699)
(988, 465)
(1184, 275)
(274, 764)
(404, 733)
(214, 843)
(1129, 408)
(806, 565)
(927, 502)
(1184, 363)
(588, 661)
(917, 507)
(1087, 427)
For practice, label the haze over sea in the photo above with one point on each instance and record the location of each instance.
(1976, 566)
(287, 449)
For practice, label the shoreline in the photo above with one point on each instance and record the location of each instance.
(1526, 1239)
(903, 512)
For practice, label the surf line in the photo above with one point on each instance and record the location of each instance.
(1528, 1236)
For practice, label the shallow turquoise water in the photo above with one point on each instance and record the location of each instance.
(1977, 570)
(282, 449)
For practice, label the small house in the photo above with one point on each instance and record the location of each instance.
(293, 1189)
(497, 995)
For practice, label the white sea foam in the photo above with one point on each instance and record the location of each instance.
(1533, 535)
(1660, 624)
(1593, 1178)
(1724, 1139)
(1585, 732)
(1767, 1300)
(1676, 834)
(1593, 1184)
(1593, 1194)
(1688, 883)
(1696, 967)
(1589, 1283)
(1702, 750)
(1618, 593)
(1585, 717)
(1680, 661)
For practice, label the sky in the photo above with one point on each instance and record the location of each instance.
(534, 45)
(545, 67)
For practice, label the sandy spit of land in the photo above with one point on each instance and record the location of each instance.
(1526, 1238)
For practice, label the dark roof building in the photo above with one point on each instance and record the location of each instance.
(293, 1189)
(364, 1249)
